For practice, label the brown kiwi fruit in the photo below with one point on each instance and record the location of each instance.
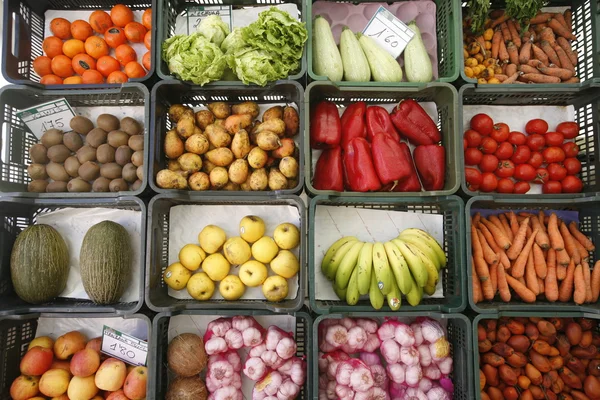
(73, 141)
(39, 154)
(136, 185)
(78, 185)
(58, 153)
(81, 125)
(136, 143)
(56, 187)
(118, 185)
(107, 122)
(111, 170)
(123, 155)
(140, 172)
(129, 173)
(96, 137)
(37, 186)
(117, 139)
(131, 126)
(86, 153)
(105, 153)
(52, 137)
(101, 185)
(37, 171)
(138, 158)
(72, 165)
(89, 171)
(57, 172)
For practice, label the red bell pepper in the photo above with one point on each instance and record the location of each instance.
(359, 171)
(353, 122)
(328, 171)
(412, 183)
(325, 126)
(412, 121)
(391, 164)
(379, 121)
(431, 164)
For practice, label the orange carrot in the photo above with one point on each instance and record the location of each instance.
(569, 19)
(561, 73)
(477, 293)
(496, 39)
(541, 239)
(530, 276)
(494, 277)
(496, 221)
(501, 77)
(539, 54)
(499, 235)
(547, 35)
(500, 20)
(551, 284)
(488, 254)
(521, 279)
(541, 286)
(513, 53)
(561, 30)
(481, 41)
(526, 69)
(583, 253)
(503, 52)
(492, 243)
(551, 258)
(511, 69)
(579, 292)
(477, 250)
(565, 291)
(541, 221)
(514, 224)
(596, 282)
(484, 277)
(519, 241)
(565, 61)
(512, 28)
(505, 32)
(539, 262)
(537, 28)
(561, 18)
(566, 46)
(512, 78)
(540, 78)
(506, 226)
(561, 272)
(587, 279)
(476, 219)
(562, 257)
(503, 285)
(540, 18)
(569, 243)
(556, 240)
(521, 290)
(572, 80)
(518, 268)
(581, 238)
(546, 46)
(525, 52)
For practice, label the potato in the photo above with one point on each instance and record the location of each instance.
(177, 110)
(89, 171)
(190, 162)
(199, 181)
(291, 120)
(288, 146)
(238, 171)
(111, 170)
(136, 185)
(117, 139)
(207, 166)
(37, 171)
(220, 109)
(96, 137)
(39, 154)
(259, 179)
(72, 140)
(273, 112)
(268, 141)
(218, 177)
(277, 180)
(167, 179)
(231, 187)
(289, 167)
(274, 125)
(105, 153)
(247, 107)
(136, 142)
(257, 158)
(221, 157)
(191, 388)
(86, 153)
(185, 127)
(220, 122)
(81, 125)
(234, 123)
(58, 153)
(37, 186)
(240, 145)
(173, 165)
(129, 172)
(137, 158)
(197, 144)
(204, 118)
(173, 145)
(292, 183)
(123, 155)
(131, 126)
(197, 130)
(217, 136)
(139, 172)
(101, 185)
(78, 185)
(107, 122)
(52, 137)
(72, 165)
(118, 185)
(56, 187)
(246, 185)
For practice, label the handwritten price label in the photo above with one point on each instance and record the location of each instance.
(196, 14)
(388, 32)
(54, 114)
(124, 347)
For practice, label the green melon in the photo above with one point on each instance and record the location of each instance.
(105, 262)
(39, 264)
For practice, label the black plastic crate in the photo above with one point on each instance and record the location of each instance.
(23, 34)
(17, 214)
(17, 139)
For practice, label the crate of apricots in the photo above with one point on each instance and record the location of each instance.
(83, 47)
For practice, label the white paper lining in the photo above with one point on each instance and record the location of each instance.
(91, 327)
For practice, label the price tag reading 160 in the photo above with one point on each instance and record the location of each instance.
(388, 32)
(387, 35)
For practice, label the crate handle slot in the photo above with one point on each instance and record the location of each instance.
(13, 29)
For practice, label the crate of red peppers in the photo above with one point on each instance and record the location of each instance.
(384, 142)
(529, 141)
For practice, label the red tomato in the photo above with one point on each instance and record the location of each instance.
(536, 142)
(521, 187)
(570, 149)
(537, 125)
(553, 154)
(554, 138)
(571, 184)
(572, 165)
(473, 138)
(489, 182)
(552, 187)
(473, 178)
(521, 155)
(536, 159)
(506, 169)
(505, 151)
(569, 129)
(473, 156)
(488, 145)
(482, 123)
(505, 185)
(500, 132)
(517, 138)
(489, 163)
(542, 175)
(524, 172)
(556, 171)
(465, 144)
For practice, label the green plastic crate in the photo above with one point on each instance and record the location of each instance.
(444, 96)
(585, 27)
(448, 44)
(589, 217)
(459, 335)
(452, 277)
(585, 100)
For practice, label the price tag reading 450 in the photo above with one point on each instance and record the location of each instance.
(388, 32)
(54, 114)
(124, 347)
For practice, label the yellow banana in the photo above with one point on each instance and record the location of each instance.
(414, 262)
(331, 252)
(430, 290)
(352, 294)
(427, 238)
(394, 298)
(399, 267)
(375, 295)
(424, 247)
(415, 295)
(347, 265)
(341, 293)
(337, 258)
(364, 265)
(382, 269)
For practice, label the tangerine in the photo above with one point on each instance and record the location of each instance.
(73, 80)
(61, 28)
(100, 21)
(52, 46)
(148, 40)
(147, 61)
(135, 70)
(135, 32)
(61, 66)
(117, 77)
(115, 37)
(81, 30)
(121, 15)
(72, 47)
(42, 65)
(96, 47)
(106, 65)
(51, 80)
(92, 76)
(125, 54)
(147, 18)
(83, 62)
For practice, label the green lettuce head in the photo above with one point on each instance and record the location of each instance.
(214, 29)
(256, 66)
(233, 41)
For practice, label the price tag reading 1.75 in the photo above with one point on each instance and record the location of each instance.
(54, 114)
(388, 32)
(124, 347)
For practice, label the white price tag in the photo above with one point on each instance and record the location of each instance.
(197, 13)
(388, 31)
(124, 347)
(53, 114)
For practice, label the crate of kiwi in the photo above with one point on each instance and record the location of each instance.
(100, 152)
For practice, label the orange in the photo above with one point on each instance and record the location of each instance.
(96, 47)
(42, 65)
(92, 76)
(81, 30)
(61, 66)
(117, 77)
(125, 54)
(121, 15)
(106, 65)
(61, 28)
(147, 18)
(72, 47)
(52, 46)
(100, 21)
(147, 61)
(148, 40)
(115, 36)
(135, 70)
(135, 32)
(73, 80)
(51, 80)
(83, 62)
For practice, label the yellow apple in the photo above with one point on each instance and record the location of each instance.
(252, 228)
(285, 264)
(275, 288)
(216, 266)
(211, 238)
(287, 236)
(41, 341)
(82, 388)
(200, 286)
(54, 382)
(111, 375)
(264, 249)
(176, 276)
(253, 273)
(191, 256)
(231, 287)
(237, 250)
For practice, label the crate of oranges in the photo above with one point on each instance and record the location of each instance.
(60, 43)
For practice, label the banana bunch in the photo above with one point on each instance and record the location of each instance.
(408, 265)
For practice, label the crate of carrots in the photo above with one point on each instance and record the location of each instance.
(533, 257)
(525, 43)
